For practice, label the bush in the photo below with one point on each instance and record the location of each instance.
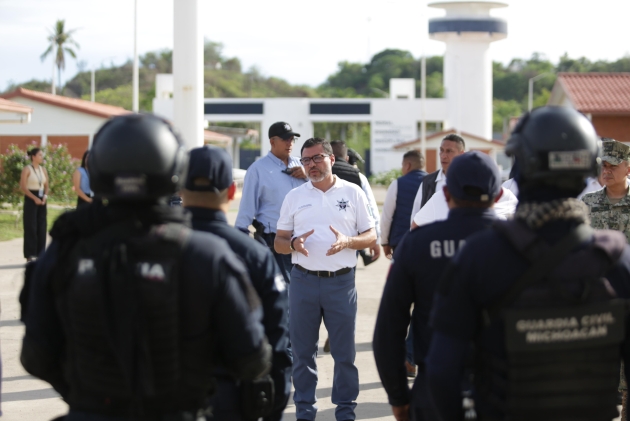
(58, 163)
(385, 178)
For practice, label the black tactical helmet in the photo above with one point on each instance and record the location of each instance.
(554, 146)
(136, 157)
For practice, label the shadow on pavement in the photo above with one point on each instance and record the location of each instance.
(14, 322)
(18, 266)
(14, 378)
(29, 395)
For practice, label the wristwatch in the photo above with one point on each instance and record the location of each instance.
(291, 244)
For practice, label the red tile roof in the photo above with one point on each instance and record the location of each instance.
(75, 104)
(14, 107)
(598, 93)
(444, 134)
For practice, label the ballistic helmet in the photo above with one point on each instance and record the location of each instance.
(136, 157)
(556, 147)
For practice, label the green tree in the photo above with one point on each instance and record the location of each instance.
(372, 79)
(13, 160)
(60, 166)
(58, 163)
(502, 111)
(60, 43)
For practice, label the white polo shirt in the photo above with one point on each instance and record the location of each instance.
(436, 209)
(344, 206)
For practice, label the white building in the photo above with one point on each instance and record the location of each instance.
(56, 120)
(12, 112)
(467, 29)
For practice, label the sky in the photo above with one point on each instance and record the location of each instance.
(299, 41)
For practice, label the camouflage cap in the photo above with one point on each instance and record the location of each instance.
(615, 152)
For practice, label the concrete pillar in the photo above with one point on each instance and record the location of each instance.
(188, 71)
(44, 141)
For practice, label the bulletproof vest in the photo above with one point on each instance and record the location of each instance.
(428, 187)
(562, 335)
(408, 186)
(346, 172)
(120, 304)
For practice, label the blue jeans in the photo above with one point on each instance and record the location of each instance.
(335, 301)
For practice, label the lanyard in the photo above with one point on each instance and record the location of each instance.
(39, 176)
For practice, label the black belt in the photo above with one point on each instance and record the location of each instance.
(324, 273)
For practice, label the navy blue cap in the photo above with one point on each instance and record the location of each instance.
(473, 176)
(212, 164)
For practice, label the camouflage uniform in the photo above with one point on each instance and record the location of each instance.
(605, 215)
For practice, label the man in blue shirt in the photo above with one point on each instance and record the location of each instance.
(207, 192)
(267, 182)
(473, 185)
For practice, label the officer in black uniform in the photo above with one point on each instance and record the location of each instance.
(537, 294)
(473, 185)
(208, 189)
(128, 306)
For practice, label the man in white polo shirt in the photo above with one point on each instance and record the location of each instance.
(322, 223)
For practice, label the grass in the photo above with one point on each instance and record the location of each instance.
(9, 231)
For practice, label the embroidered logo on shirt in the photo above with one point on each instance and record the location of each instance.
(308, 205)
(342, 204)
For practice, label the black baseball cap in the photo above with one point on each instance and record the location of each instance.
(282, 130)
(212, 164)
(473, 176)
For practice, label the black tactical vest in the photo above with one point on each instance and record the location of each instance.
(346, 172)
(562, 336)
(428, 187)
(121, 311)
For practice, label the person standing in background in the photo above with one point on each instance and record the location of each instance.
(81, 183)
(451, 146)
(399, 201)
(34, 185)
(267, 182)
(349, 172)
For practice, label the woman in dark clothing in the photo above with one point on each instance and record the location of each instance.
(81, 182)
(34, 185)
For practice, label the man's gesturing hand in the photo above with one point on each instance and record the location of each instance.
(298, 242)
(341, 243)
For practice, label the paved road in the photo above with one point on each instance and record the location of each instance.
(26, 398)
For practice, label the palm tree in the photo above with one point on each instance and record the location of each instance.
(60, 42)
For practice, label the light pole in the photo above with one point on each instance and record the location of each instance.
(134, 102)
(530, 99)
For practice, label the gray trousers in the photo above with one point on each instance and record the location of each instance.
(335, 301)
